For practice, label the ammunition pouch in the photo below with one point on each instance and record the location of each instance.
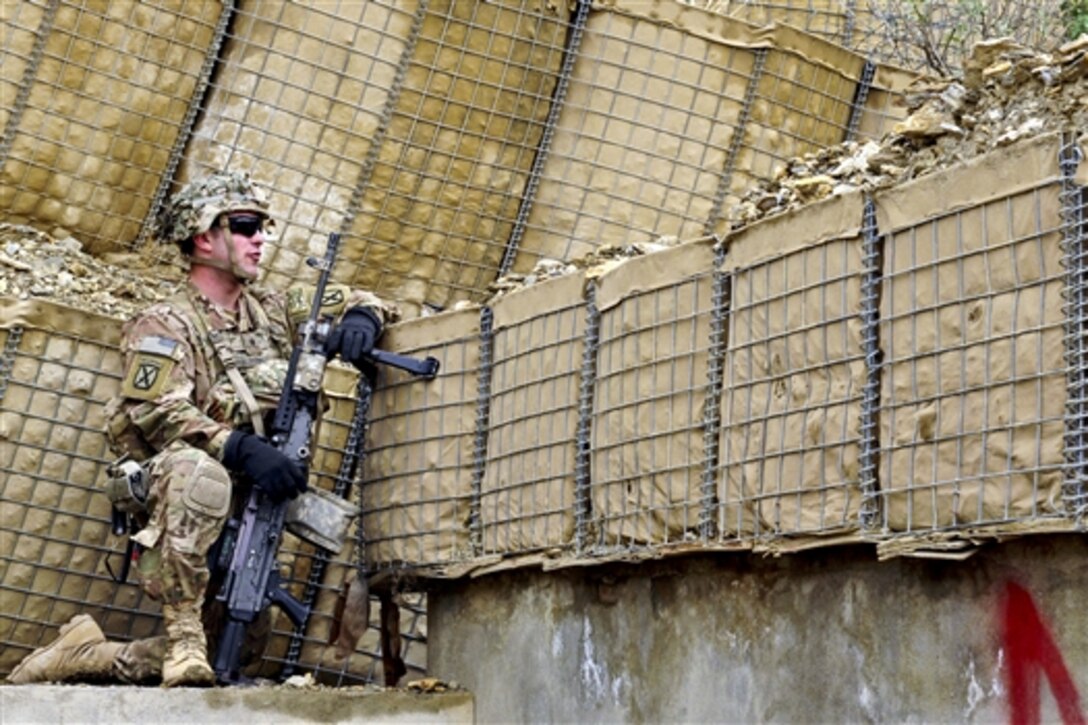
(321, 518)
(126, 486)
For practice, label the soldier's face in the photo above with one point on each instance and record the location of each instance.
(245, 233)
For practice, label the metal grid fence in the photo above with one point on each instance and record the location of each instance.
(448, 142)
(420, 468)
(526, 497)
(973, 401)
(894, 370)
(56, 541)
(99, 111)
(795, 372)
(650, 387)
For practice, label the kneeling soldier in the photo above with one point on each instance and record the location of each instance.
(203, 370)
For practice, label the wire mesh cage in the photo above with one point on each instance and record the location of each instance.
(527, 490)
(651, 377)
(974, 385)
(58, 554)
(420, 470)
(448, 142)
(794, 375)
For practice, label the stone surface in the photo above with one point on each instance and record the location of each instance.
(1006, 93)
(34, 264)
(283, 705)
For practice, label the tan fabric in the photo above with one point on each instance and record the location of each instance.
(621, 100)
(794, 373)
(453, 162)
(419, 463)
(974, 387)
(647, 424)
(527, 499)
(54, 521)
(104, 109)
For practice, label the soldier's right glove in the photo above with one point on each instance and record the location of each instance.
(271, 471)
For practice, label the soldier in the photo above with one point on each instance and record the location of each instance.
(203, 370)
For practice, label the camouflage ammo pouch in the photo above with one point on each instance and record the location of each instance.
(321, 518)
(126, 486)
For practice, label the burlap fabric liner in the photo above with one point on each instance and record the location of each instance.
(54, 520)
(50, 317)
(453, 161)
(793, 377)
(103, 110)
(418, 469)
(962, 442)
(647, 454)
(621, 101)
(527, 497)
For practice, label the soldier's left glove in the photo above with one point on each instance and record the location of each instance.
(354, 338)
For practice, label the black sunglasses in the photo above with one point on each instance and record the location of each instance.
(246, 225)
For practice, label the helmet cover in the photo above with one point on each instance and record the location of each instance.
(199, 203)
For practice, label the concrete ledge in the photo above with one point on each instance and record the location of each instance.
(61, 704)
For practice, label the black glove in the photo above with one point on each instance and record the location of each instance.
(355, 336)
(271, 471)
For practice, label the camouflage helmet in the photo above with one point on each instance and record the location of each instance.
(195, 208)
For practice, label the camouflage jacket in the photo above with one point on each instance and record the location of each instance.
(176, 385)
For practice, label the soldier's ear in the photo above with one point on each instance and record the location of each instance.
(202, 243)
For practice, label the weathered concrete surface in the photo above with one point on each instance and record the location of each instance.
(821, 637)
(62, 704)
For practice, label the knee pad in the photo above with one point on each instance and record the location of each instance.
(208, 488)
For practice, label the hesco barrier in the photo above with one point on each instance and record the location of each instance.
(449, 142)
(59, 367)
(905, 369)
(901, 368)
(794, 376)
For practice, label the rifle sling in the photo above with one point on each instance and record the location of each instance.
(226, 357)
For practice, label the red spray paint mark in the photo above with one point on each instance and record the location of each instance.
(1032, 651)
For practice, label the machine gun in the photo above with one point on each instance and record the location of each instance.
(247, 549)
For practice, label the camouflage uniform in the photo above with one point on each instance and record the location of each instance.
(194, 372)
(178, 406)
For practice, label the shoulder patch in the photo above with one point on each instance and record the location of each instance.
(300, 297)
(150, 368)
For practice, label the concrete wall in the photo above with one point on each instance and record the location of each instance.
(826, 636)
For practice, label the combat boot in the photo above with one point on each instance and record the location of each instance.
(80, 651)
(186, 661)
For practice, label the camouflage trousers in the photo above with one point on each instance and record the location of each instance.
(189, 499)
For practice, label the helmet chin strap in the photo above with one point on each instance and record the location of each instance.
(232, 266)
